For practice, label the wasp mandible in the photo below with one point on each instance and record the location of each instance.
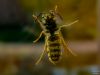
(53, 36)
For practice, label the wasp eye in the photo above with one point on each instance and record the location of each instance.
(42, 16)
(43, 20)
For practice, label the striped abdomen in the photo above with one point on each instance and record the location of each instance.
(54, 48)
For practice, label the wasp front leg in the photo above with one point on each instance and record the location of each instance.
(39, 37)
(45, 48)
(68, 24)
(66, 49)
(36, 19)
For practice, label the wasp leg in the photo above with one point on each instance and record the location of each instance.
(68, 24)
(39, 37)
(45, 47)
(66, 49)
(36, 19)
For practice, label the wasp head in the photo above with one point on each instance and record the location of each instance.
(48, 20)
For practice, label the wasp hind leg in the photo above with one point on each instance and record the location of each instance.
(38, 37)
(45, 47)
(66, 49)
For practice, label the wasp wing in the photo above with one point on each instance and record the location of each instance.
(67, 50)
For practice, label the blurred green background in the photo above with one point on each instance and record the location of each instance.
(18, 54)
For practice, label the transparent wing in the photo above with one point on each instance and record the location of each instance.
(67, 50)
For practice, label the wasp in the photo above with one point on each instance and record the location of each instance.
(53, 37)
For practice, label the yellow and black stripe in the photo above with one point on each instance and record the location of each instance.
(54, 48)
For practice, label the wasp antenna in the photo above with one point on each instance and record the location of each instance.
(56, 7)
(35, 17)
